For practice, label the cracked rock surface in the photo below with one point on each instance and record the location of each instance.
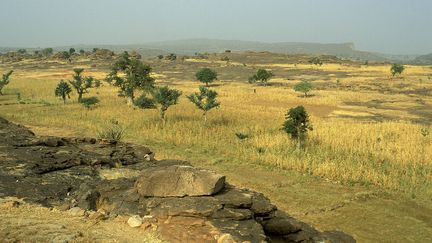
(184, 203)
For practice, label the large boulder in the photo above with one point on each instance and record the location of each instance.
(178, 181)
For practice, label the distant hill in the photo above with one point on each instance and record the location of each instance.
(424, 59)
(192, 46)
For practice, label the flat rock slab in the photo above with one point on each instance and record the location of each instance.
(178, 181)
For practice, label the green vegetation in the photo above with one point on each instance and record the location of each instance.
(206, 75)
(315, 61)
(297, 124)
(81, 84)
(396, 69)
(262, 75)
(304, 87)
(5, 80)
(47, 51)
(89, 102)
(130, 75)
(204, 100)
(164, 97)
(63, 90)
(112, 130)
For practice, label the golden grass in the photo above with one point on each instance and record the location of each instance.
(391, 154)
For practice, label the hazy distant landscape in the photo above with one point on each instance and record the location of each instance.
(192, 46)
(215, 121)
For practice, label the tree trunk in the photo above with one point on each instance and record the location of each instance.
(130, 101)
(64, 99)
(162, 114)
(80, 97)
(205, 116)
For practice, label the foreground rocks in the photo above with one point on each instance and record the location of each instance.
(184, 203)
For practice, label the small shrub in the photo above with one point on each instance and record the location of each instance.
(63, 90)
(304, 87)
(396, 69)
(112, 130)
(204, 100)
(5, 80)
(89, 102)
(297, 124)
(241, 136)
(262, 75)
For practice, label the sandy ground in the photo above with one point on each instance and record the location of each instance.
(32, 223)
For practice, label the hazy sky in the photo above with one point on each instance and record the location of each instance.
(390, 26)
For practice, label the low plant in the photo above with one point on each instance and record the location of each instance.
(112, 130)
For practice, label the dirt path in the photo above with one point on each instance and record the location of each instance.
(31, 223)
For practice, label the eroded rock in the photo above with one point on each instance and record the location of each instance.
(178, 181)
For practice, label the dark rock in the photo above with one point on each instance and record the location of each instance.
(178, 181)
(232, 213)
(281, 226)
(261, 205)
(235, 198)
(187, 206)
(245, 230)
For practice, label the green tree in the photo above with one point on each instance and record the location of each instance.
(81, 84)
(63, 90)
(130, 74)
(206, 75)
(71, 51)
(315, 61)
(396, 69)
(297, 124)
(304, 87)
(165, 97)
(162, 98)
(262, 75)
(171, 57)
(5, 80)
(89, 102)
(204, 100)
(82, 52)
(22, 51)
(47, 51)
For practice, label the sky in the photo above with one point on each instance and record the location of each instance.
(387, 26)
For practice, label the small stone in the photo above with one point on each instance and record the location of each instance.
(76, 211)
(226, 238)
(154, 227)
(96, 216)
(9, 204)
(62, 207)
(146, 225)
(135, 221)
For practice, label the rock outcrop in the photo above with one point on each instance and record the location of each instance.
(184, 203)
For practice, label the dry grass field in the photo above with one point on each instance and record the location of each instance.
(366, 138)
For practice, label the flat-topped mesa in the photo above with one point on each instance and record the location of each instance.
(187, 204)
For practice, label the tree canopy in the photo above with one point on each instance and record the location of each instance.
(206, 75)
(130, 74)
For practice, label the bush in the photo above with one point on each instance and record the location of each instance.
(112, 130)
(206, 75)
(297, 124)
(396, 69)
(89, 102)
(304, 87)
(262, 75)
